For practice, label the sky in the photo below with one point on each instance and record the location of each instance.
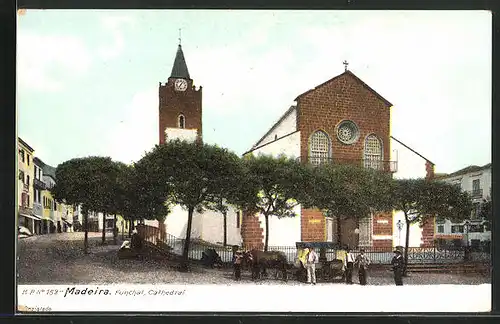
(87, 80)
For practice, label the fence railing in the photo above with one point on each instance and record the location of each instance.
(377, 255)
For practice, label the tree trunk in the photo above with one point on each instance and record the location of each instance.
(225, 227)
(266, 245)
(185, 252)
(339, 231)
(103, 228)
(161, 227)
(130, 225)
(407, 243)
(114, 230)
(86, 229)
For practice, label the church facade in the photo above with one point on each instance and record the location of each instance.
(342, 120)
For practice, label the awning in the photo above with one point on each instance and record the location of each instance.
(30, 216)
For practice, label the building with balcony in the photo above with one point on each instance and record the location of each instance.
(25, 189)
(476, 180)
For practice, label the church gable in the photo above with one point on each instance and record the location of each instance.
(346, 84)
(344, 100)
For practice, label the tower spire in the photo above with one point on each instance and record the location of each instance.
(179, 69)
(180, 29)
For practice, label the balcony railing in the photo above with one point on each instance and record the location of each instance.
(37, 183)
(476, 193)
(386, 166)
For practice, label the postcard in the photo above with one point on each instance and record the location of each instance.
(177, 160)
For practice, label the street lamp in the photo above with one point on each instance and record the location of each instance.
(399, 225)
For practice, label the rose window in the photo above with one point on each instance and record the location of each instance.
(347, 132)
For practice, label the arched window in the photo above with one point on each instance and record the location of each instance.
(319, 148)
(182, 121)
(373, 152)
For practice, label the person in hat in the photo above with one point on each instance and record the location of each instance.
(237, 260)
(398, 267)
(362, 263)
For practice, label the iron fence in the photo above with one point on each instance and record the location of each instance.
(377, 255)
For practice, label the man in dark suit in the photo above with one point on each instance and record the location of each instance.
(398, 267)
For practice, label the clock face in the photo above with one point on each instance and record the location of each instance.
(181, 85)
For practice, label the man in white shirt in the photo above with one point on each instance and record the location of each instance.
(312, 259)
(349, 265)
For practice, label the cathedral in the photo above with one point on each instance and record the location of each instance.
(342, 120)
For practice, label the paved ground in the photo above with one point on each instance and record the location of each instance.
(59, 259)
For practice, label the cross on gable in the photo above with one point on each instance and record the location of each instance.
(345, 64)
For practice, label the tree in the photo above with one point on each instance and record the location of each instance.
(280, 184)
(348, 192)
(134, 198)
(486, 210)
(237, 191)
(421, 199)
(189, 174)
(85, 182)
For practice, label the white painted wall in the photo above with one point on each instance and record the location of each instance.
(213, 227)
(286, 126)
(289, 146)
(176, 223)
(415, 232)
(282, 231)
(181, 133)
(410, 165)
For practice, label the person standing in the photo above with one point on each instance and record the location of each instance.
(398, 267)
(349, 266)
(312, 259)
(238, 258)
(362, 262)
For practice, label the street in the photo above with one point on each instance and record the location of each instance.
(59, 259)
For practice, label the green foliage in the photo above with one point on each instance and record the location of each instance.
(280, 184)
(421, 199)
(134, 196)
(88, 181)
(193, 175)
(486, 211)
(349, 191)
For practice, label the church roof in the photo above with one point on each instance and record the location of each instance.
(357, 79)
(288, 112)
(180, 70)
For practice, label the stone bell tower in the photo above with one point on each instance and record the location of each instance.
(180, 104)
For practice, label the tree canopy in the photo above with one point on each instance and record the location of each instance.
(280, 184)
(89, 182)
(192, 175)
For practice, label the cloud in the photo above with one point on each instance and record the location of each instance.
(114, 25)
(135, 130)
(45, 60)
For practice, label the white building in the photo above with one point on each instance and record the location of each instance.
(476, 180)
